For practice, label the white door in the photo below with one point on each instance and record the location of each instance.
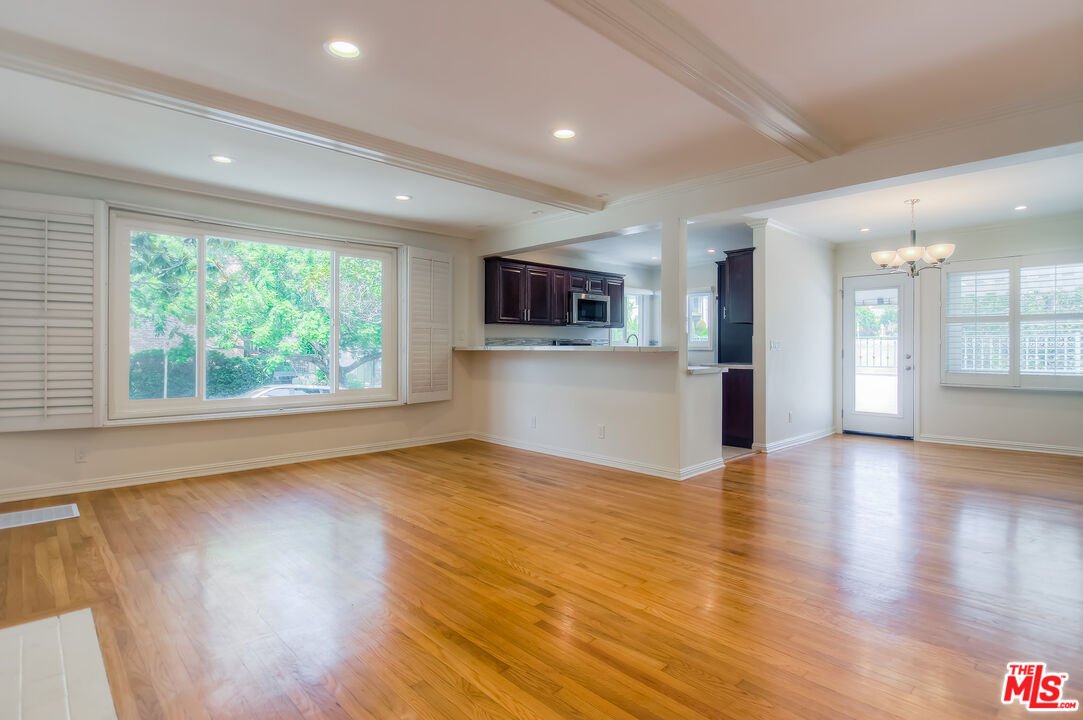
(878, 355)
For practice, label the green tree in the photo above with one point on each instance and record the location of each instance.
(868, 325)
(266, 304)
(889, 322)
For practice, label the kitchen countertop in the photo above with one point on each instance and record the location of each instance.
(569, 348)
(728, 366)
(706, 370)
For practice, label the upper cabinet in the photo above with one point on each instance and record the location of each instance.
(505, 292)
(536, 294)
(737, 307)
(614, 288)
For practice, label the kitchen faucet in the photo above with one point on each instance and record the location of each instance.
(628, 339)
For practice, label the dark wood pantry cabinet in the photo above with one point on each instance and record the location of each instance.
(525, 293)
(738, 295)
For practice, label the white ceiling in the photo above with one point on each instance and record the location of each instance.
(644, 249)
(117, 133)
(488, 80)
(1048, 186)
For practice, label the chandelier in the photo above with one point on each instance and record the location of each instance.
(905, 259)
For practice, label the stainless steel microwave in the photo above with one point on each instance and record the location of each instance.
(589, 310)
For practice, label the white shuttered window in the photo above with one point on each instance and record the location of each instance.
(429, 359)
(48, 261)
(1014, 322)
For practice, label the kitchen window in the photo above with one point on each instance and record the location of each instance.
(1015, 322)
(210, 320)
(700, 328)
(636, 319)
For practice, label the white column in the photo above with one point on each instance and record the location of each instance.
(759, 333)
(675, 284)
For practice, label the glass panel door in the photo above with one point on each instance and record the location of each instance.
(878, 363)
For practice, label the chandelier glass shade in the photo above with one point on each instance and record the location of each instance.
(906, 258)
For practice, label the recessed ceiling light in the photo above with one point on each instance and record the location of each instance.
(1020, 207)
(865, 229)
(691, 222)
(654, 257)
(342, 49)
(222, 159)
(404, 197)
(564, 134)
(710, 250)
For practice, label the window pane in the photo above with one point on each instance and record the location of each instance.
(361, 318)
(1051, 348)
(977, 348)
(162, 316)
(268, 322)
(632, 304)
(699, 332)
(978, 293)
(876, 350)
(1051, 289)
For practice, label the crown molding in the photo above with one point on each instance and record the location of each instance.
(44, 59)
(44, 161)
(656, 34)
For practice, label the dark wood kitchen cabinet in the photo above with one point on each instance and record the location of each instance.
(737, 308)
(614, 288)
(737, 408)
(525, 293)
(505, 292)
(537, 294)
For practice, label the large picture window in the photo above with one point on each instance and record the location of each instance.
(1014, 322)
(213, 320)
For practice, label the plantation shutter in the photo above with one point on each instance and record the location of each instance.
(1051, 320)
(977, 328)
(47, 312)
(429, 333)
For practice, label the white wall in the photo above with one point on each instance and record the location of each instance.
(1027, 419)
(43, 463)
(635, 395)
(799, 316)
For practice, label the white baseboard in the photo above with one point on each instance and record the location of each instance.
(792, 441)
(153, 476)
(1002, 444)
(619, 463)
(692, 471)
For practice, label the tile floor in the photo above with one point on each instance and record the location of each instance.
(52, 669)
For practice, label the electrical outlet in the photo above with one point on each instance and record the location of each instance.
(776, 345)
(533, 422)
(601, 432)
(80, 454)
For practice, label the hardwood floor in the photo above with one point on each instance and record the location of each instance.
(848, 578)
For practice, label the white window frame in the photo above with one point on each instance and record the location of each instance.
(1014, 379)
(620, 335)
(711, 311)
(123, 410)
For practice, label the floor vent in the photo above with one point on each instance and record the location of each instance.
(39, 515)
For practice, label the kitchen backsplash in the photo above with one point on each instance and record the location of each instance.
(517, 341)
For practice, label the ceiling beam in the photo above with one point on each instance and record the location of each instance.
(37, 57)
(656, 34)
